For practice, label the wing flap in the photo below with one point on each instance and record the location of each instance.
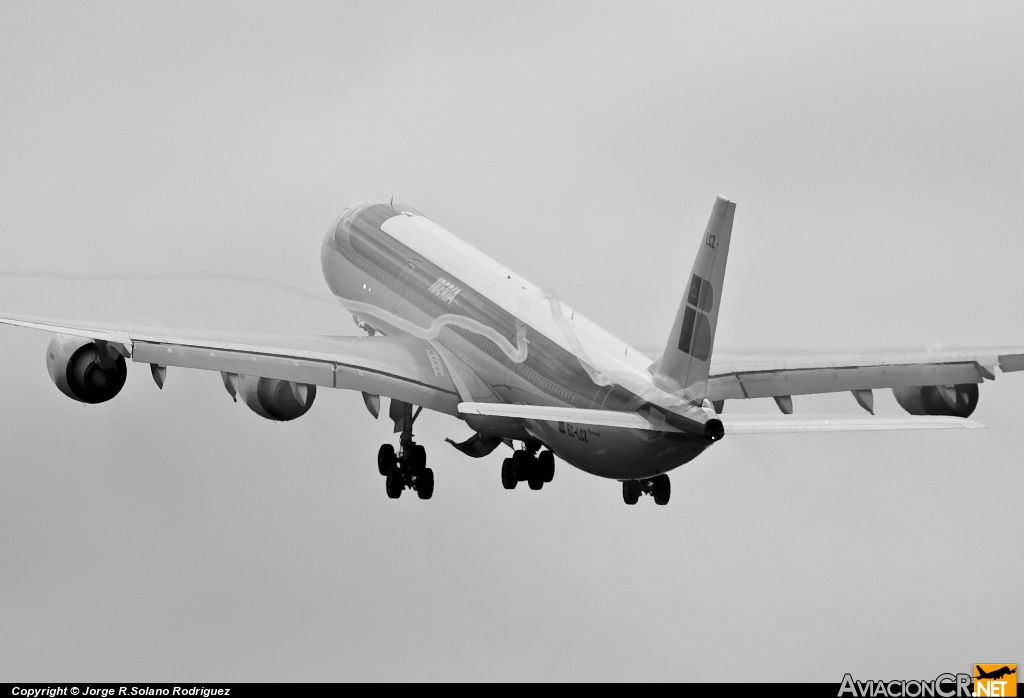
(773, 424)
(1011, 362)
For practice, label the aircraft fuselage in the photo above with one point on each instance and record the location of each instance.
(504, 339)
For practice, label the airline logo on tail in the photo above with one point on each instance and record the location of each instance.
(695, 334)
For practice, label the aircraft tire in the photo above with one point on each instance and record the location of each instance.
(508, 475)
(425, 484)
(385, 459)
(394, 484)
(661, 488)
(419, 457)
(536, 483)
(523, 464)
(546, 465)
(630, 492)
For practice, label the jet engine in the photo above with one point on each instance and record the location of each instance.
(84, 369)
(939, 400)
(276, 399)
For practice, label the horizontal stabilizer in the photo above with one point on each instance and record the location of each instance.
(773, 424)
(572, 415)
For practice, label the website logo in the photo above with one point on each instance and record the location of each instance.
(995, 680)
(988, 681)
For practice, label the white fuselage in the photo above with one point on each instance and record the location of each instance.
(507, 340)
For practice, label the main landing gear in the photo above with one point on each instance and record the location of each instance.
(529, 466)
(408, 469)
(658, 487)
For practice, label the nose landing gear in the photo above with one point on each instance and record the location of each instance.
(527, 465)
(408, 469)
(658, 487)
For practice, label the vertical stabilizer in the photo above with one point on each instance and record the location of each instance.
(684, 365)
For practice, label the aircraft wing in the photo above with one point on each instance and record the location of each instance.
(402, 368)
(773, 376)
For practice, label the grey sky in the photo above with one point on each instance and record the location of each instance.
(874, 151)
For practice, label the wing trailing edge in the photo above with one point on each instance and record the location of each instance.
(773, 424)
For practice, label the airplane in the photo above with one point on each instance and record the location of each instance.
(995, 674)
(452, 330)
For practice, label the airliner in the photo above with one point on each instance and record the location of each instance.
(995, 674)
(449, 329)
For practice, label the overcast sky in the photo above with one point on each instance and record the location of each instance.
(875, 154)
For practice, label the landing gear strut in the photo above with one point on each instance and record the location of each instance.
(528, 466)
(658, 487)
(408, 469)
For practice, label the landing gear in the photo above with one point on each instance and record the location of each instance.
(394, 484)
(658, 487)
(385, 459)
(661, 490)
(529, 466)
(408, 469)
(425, 484)
(508, 475)
(546, 466)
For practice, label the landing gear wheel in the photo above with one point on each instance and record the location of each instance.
(394, 484)
(522, 462)
(535, 483)
(661, 488)
(425, 484)
(385, 459)
(418, 457)
(508, 475)
(630, 492)
(546, 466)
(409, 469)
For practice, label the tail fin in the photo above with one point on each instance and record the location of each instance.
(684, 364)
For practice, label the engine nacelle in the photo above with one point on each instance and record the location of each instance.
(272, 398)
(939, 400)
(85, 370)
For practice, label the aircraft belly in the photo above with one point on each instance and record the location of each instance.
(620, 454)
